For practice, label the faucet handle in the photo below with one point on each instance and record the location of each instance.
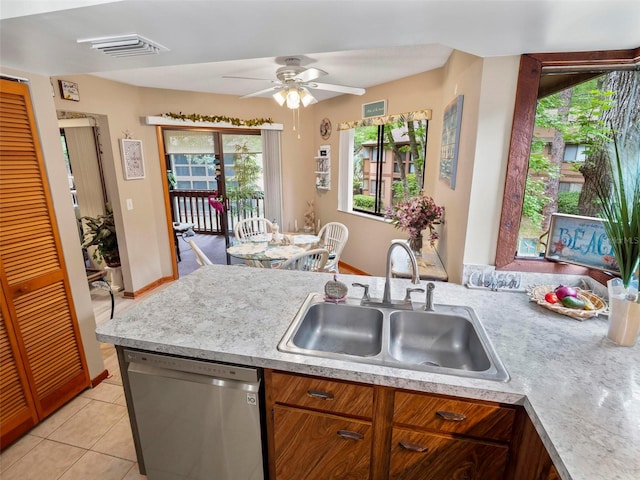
(428, 304)
(407, 296)
(365, 297)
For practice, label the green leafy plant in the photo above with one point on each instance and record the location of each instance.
(568, 202)
(100, 232)
(621, 213)
(364, 202)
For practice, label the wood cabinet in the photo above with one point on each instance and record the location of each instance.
(417, 455)
(43, 364)
(531, 459)
(436, 437)
(329, 429)
(319, 429)
(317, 446)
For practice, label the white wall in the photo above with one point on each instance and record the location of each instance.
(497, 96)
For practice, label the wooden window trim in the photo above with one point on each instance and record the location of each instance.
(531, 67)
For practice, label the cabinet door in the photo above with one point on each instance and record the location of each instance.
(468, 417)
(16, 405)
(316, 446)
(325, 395)
(425, 456)
(553, 474)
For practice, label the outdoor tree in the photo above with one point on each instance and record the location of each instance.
(621, 92)
(242, 187)
(585, 114)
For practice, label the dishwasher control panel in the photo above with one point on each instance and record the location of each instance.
(201, 367)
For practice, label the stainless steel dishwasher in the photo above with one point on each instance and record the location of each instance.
(196, 420)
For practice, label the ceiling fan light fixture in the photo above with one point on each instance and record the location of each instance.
(280, 96)
(306, 98)
(293, 98)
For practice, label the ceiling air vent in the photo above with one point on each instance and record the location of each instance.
(125, 45)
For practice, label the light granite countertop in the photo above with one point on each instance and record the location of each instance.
(581, 390)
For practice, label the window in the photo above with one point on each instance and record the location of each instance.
(374, 187)
(194, 172)
(206, 160)
(530, 85)
(584, 110)
(381, 164)
(575, 153)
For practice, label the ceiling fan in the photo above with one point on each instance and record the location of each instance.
(294, 82)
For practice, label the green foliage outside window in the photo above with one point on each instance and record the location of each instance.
(568, 202)
(364, 202)
(242, 187)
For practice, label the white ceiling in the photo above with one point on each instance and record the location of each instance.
(359, 43)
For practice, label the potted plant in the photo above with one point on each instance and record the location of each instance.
(621, 214)
(100, 232)
(415, 215)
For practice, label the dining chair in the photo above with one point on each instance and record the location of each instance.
(333, 236)
(201, 258)
(251, 227)
(309, 261)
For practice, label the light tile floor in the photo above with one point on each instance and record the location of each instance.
(87, 439)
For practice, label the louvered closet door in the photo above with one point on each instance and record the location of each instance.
(16, 405)
(39, 300)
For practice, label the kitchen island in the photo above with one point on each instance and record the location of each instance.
(581, 391)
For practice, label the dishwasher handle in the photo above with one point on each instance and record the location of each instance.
(199, 367)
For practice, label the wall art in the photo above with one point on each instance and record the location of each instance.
(132, 160)
(450, 141)
(69, 90)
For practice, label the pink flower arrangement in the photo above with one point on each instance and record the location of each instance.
(417, 214)
(216, 202)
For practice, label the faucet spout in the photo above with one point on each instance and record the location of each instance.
(415, 275)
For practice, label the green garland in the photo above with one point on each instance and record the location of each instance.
(196, 117)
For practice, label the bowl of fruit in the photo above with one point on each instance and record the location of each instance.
(571, 301)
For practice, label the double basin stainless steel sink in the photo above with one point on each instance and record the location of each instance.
(450, 340)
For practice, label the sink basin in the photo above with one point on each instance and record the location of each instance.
(437, 339)
(450, 340)
(342, 329)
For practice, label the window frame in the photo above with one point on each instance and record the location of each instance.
(531, 69)
(375, 186)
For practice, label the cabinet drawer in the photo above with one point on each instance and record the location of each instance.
(316, 446)
(482, 420)
(425, 456)
(324, 395)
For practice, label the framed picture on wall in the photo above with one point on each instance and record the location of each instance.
(69, 90)
(450, 141)
(132, 160)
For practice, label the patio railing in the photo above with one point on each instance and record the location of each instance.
(192, 206)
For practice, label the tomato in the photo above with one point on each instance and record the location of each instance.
(551, 297)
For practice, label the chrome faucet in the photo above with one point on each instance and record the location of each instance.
(415, 275)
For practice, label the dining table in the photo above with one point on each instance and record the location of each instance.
(266, 252)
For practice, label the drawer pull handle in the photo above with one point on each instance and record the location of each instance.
(451, 416)
(413, 447)
(320, 395)
(349, 435)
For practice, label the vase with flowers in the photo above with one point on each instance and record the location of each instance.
(620, 210)
(416, 215)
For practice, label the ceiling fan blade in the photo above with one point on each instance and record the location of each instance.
(248, 78)
(262, 92)
(336, 88)
(310, 74)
